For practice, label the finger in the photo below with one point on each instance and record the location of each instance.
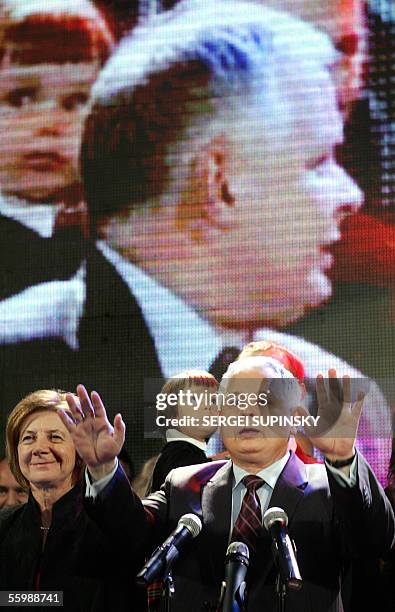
(100, 411)
(85, 402)
(322, 396)
(358, 405)
(334, 385)
(67, 420)
(347, 389)
(75, 408)
(119, 431)
(301, 411)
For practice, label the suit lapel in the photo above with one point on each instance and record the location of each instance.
(216, 503)
(216, 511)
(287, 494)
(289, 488)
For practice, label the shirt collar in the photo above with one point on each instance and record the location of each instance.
(269, 474)
(38, 217)
(173, 435)
(168, 317)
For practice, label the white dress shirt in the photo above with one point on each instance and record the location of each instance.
(173, 435)
(270, 475)
(47, 310)
(38, 217)
(183, 339)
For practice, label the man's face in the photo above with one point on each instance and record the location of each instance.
(290, 198)
(290, 195)
(11, 493)
(251, 440)
(42, 108)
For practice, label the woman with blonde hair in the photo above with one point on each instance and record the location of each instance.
(72, 528)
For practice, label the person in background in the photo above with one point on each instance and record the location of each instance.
(142, 481)
(127, 464)
(11, 492)
(185, 444)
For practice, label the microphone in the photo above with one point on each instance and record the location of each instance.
(233, 587)
(188, 527)
(275, 521)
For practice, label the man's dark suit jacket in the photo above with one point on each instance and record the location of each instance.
(89, 553)
(330, 524)
(116, 354)
(28, 259)
(173, 455)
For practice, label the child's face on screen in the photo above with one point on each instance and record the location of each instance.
(42, 109)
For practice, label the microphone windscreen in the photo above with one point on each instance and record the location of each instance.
(273, 515)
(192, 523)
(238, 548)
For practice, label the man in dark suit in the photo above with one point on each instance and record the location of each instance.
(337, 512)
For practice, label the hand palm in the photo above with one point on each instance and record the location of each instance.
(96, 441)
(339, 417)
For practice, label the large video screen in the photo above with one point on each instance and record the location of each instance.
(180, 179)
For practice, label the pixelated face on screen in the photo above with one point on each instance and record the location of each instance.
(217, 155)
(256, 195)
(50, 55)
(11, 493)
(42, 108)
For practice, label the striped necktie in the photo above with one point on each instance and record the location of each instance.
(248, 525)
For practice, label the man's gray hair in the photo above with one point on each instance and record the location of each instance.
(271, 367)
(168, 81)
(282, 384)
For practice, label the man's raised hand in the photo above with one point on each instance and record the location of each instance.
(339, 417)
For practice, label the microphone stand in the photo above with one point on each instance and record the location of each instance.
(281, 590)
(168, 591)
(240, 597)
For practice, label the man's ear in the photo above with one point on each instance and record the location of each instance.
(206, 204)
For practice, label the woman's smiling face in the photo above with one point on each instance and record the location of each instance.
(46, 451)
